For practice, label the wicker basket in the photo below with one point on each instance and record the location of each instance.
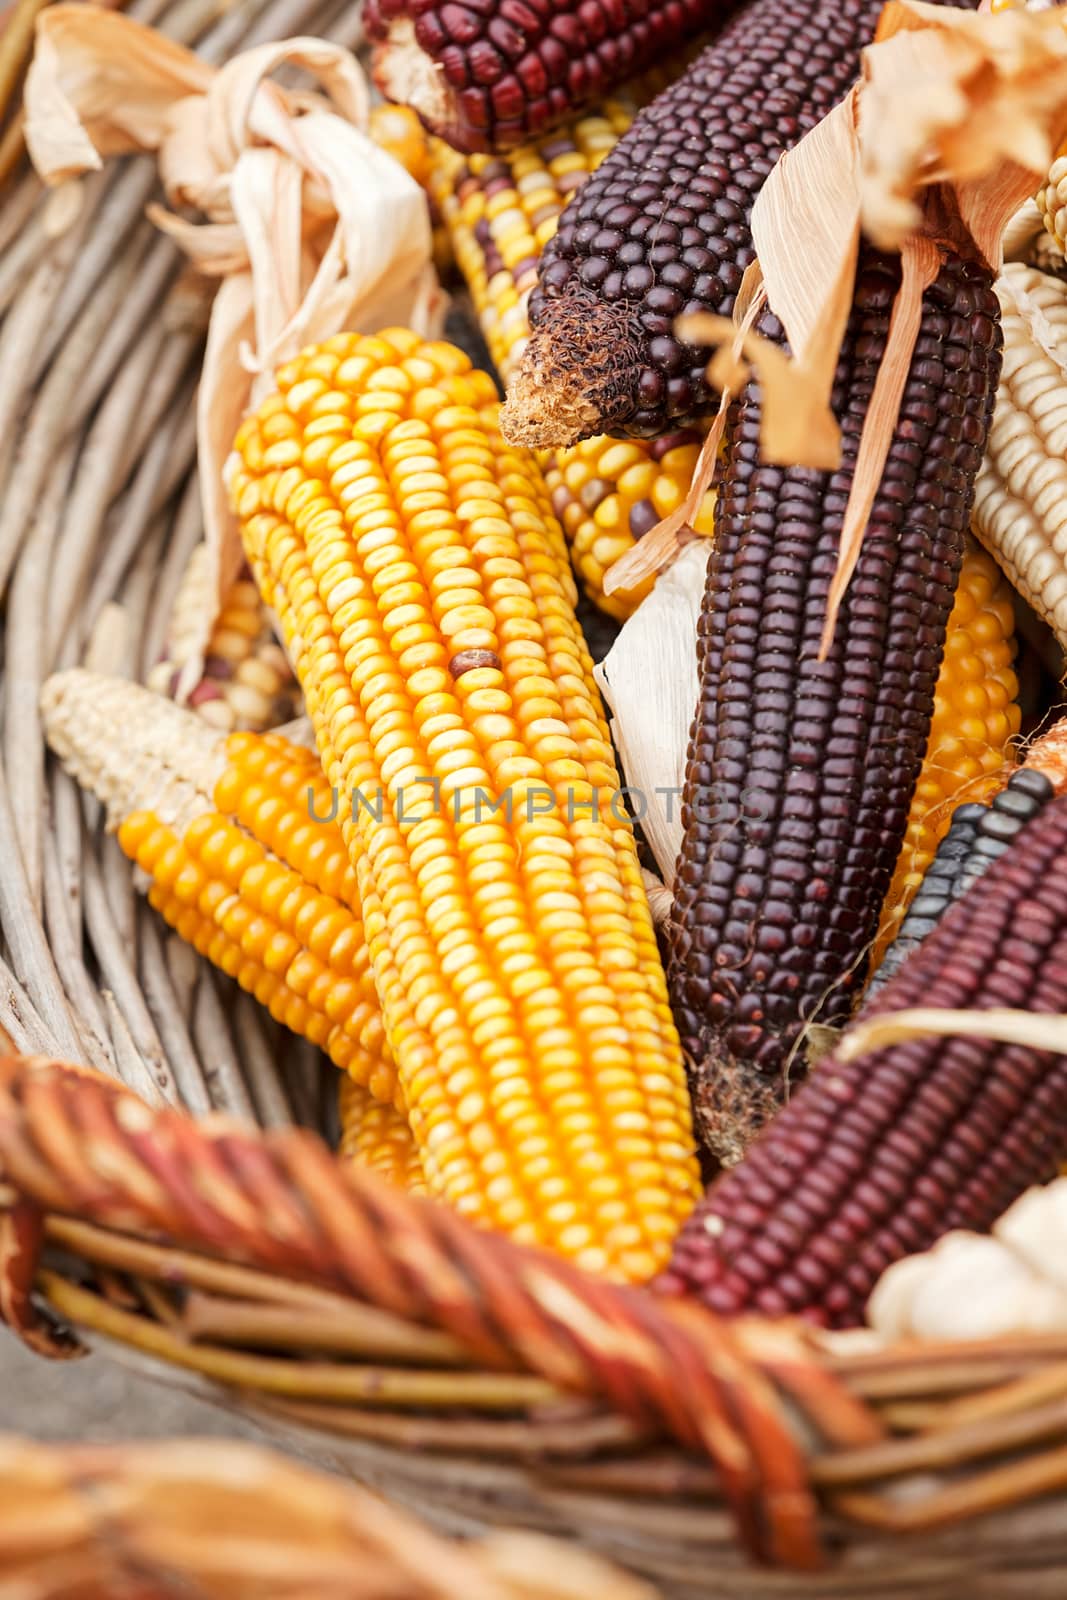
(222, 1521)
(479, 1382)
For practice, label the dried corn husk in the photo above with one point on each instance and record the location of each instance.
(972, 1287)
(311, 227)
(649, 680)
(1020, 508)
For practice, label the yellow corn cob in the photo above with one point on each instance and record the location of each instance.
(422, 587)
(377, 1136)
(246, 681)
(975, 720)
(227, 831)
(500, 212)
(1020, 508)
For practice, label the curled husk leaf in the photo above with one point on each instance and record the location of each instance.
(311, 227)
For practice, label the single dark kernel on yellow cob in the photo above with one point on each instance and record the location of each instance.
(663, 226)
(500, 211)
(422, 586)
(976, 718)
(876, 1158)
(488, 74)
(378, 1137)
(242, 857)
(800, 772)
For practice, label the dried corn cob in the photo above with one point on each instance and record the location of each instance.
(238, 860)
(975, 719)
(663, 227)
(246, 681)
(1052, 201)
(378, 1136)
(500, 211)
(422, 585)
(488, 74)
(876, 1157)
(1020, 510)
(978, 835)
(801, 772)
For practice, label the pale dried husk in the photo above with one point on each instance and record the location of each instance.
(649, 681)
(311, 227)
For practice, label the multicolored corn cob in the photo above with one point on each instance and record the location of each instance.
(1052, 200)
(877, 1157)
(246, 681)
(239, 856)
(377, 1136)
(663, 227)
(1020, 510)
(974, 722)
(423, 589)
(500, 211)
(801, 773)
(489, 74)
(977, 835)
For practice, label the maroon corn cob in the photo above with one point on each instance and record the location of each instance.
(663, 226)
(489, 74)
(800, 772)
(876, 1158)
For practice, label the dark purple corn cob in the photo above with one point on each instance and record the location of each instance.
(488, 74)
(800, 772)
(876, 1158)
(978, 835)
(663, 226)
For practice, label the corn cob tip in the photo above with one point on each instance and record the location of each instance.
(575, 377)
(407, 75)
(732, 1102)
(166, 760)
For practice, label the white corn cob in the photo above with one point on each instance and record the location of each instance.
(1020, 509)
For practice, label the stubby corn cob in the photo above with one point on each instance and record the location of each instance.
(663, 228)
(974, 722)
(422, 586)
(377, 1136)
(488, 74)
(231, 833)
(878, 1156)
(246, 681)
(500, 211)
(800, 773)
(1020, 510)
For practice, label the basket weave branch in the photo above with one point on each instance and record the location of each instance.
(483, 1382)
(222, 1520)
(479, 1382)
